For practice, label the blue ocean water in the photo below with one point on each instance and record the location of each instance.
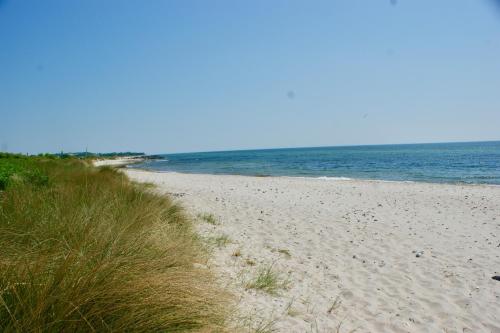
(471, 162)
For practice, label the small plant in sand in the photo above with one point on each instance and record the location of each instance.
(222, 240)
(268, 280)
(290, 309)
(254, 322)
(336, 303)
(285, 252)
(236, 253)
(250, 262)
(209, 218)
(265, 326)
(144, 185)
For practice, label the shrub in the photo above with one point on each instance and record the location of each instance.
(20, 169)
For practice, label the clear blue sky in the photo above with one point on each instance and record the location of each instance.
(174, 76)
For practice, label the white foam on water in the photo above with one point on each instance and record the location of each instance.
(333, 178)
(320, 178)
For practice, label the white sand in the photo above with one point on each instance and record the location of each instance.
(118, 162)
(352, 241)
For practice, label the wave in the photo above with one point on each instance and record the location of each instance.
(319, 178)
(333, 178)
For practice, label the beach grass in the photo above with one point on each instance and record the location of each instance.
(285, 252)
(208, 218)
(236, 253)
(221, 240)
(269, 280)
(84, 249)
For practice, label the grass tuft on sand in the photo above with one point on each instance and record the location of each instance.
(208, 218)
(88, 250)
(268, 280)
(221, 240)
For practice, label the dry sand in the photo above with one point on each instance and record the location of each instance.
(351, 250)
(118, 162)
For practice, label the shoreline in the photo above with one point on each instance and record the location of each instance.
(318, 178)
(120, 162)
(373, 255)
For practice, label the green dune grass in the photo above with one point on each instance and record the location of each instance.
(84, 249)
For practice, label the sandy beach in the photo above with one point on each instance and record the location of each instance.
(368, 256)
(118, 162)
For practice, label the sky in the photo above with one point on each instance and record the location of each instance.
(180, 76)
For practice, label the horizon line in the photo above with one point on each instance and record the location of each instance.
(326, 146)
(254, 149)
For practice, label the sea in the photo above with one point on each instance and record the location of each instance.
(464, 162)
